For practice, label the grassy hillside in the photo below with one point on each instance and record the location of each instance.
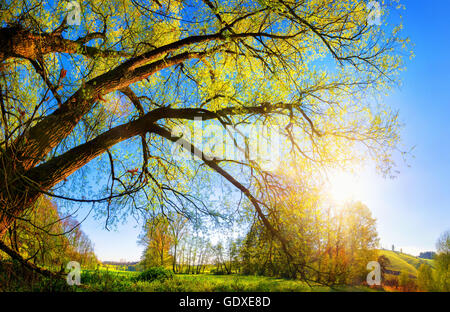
(404, 262)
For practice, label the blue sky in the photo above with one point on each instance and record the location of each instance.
(413, 209)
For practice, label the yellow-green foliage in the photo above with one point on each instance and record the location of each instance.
(425, 280)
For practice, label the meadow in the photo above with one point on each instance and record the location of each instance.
(128, 278)
(116, 280)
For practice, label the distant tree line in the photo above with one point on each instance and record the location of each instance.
(427, 255)
(330, 246)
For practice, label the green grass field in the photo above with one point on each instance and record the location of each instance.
(114, 280)
(404, 262)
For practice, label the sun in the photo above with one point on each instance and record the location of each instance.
(344, 186)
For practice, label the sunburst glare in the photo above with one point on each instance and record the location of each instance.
(344, 186)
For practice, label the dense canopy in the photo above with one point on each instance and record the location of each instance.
(116, 86)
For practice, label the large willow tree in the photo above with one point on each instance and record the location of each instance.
(113, 87)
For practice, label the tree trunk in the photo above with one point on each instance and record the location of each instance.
(174, 262)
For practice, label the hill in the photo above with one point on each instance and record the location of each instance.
(401, 262)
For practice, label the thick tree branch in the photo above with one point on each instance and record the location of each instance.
(18, 42)
(49, 132)
(59, 168)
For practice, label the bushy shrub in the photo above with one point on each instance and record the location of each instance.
(217, 272)
(406, 283)
(155, 273)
